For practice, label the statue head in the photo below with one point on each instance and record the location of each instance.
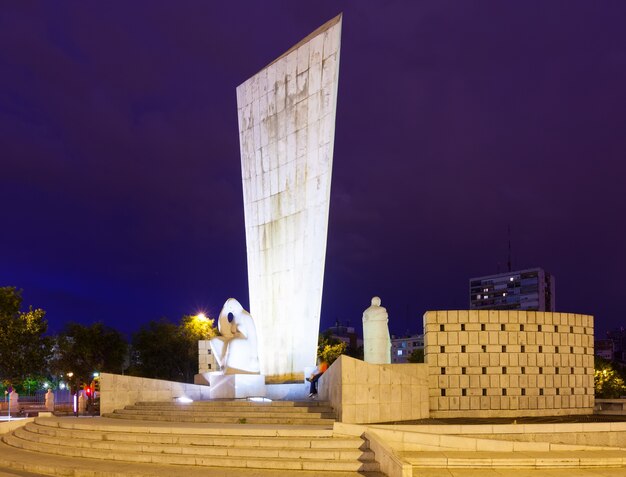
(376, 301)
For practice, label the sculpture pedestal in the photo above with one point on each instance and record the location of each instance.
(233, 386)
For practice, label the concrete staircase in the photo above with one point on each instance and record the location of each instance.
(308, 413)
(289, 437)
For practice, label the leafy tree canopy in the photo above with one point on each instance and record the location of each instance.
(607, 381)
(24, 350)
(164, 350)
(416, 356)
(83, 350)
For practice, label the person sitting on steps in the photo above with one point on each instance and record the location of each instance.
(322, 366)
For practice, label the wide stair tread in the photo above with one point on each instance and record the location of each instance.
(243, 419)
(235, 412)
(231, 459)
(293, 448)
(48, 464)
(518, 459)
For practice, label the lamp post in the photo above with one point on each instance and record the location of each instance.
(74, 393)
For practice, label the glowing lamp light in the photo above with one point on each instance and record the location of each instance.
(184, 399)
(96, 374)
(201, 316)
(259, 399)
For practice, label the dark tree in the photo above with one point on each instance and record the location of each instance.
(83, 350)
(416, 356)
(163, 350)
(24, 350)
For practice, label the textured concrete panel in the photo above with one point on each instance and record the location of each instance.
(286, 130)
(487, 363)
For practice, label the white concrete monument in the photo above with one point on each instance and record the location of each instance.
(286, 130)
(376, 342)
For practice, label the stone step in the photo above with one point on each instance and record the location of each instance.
(234, 409)
(230, 461)
(105, 424)
(330, 450)
(112, 436)
(230, 413)
(508, 460)
(241, 419)
(48, 464)
(237, 403)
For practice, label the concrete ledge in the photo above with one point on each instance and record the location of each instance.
(8, 426)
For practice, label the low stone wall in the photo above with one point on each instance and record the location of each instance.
(615, 407)
(117, 391)
(603, 434)
(364, 393)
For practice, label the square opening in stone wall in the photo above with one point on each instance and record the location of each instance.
(443, 393)
(523, 370)
(540, 370)
(463, 392)
(523, 392)
(503, 369)
(462, 348)
(484, 370)
(463, 370)
(484, 392)
(482, 327)
(462, 326)
(502, 327)
(539, 328)
(521, 327)
(442, 328)
(484, 347)
(443, 370)
(541, 391)
(558, 392)
(504, 348)
(504, 392)
(523, 349)
(442, 349)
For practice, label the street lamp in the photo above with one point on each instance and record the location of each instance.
(74, 391)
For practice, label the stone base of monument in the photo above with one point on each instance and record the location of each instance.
(234, 386)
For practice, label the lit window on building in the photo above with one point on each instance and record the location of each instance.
(399, 352)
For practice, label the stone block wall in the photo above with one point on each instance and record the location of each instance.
(206, 360)
(487, 363)
(117, 391)
(363, 393)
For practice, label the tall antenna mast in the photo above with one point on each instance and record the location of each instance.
(509, 260)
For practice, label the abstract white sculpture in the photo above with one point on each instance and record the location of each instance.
(236, 350)
(286, 131)
(376, 342)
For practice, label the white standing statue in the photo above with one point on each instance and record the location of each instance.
(236, 350)
(49, 401)
(376, 342)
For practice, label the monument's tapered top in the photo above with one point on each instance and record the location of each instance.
(329, 24)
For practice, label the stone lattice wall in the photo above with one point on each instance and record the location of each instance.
(509, 363)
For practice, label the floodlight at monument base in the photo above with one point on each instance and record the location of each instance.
(286, 129)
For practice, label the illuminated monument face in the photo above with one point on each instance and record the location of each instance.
(286, 131)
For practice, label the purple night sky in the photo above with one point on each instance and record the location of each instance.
(120, 177)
